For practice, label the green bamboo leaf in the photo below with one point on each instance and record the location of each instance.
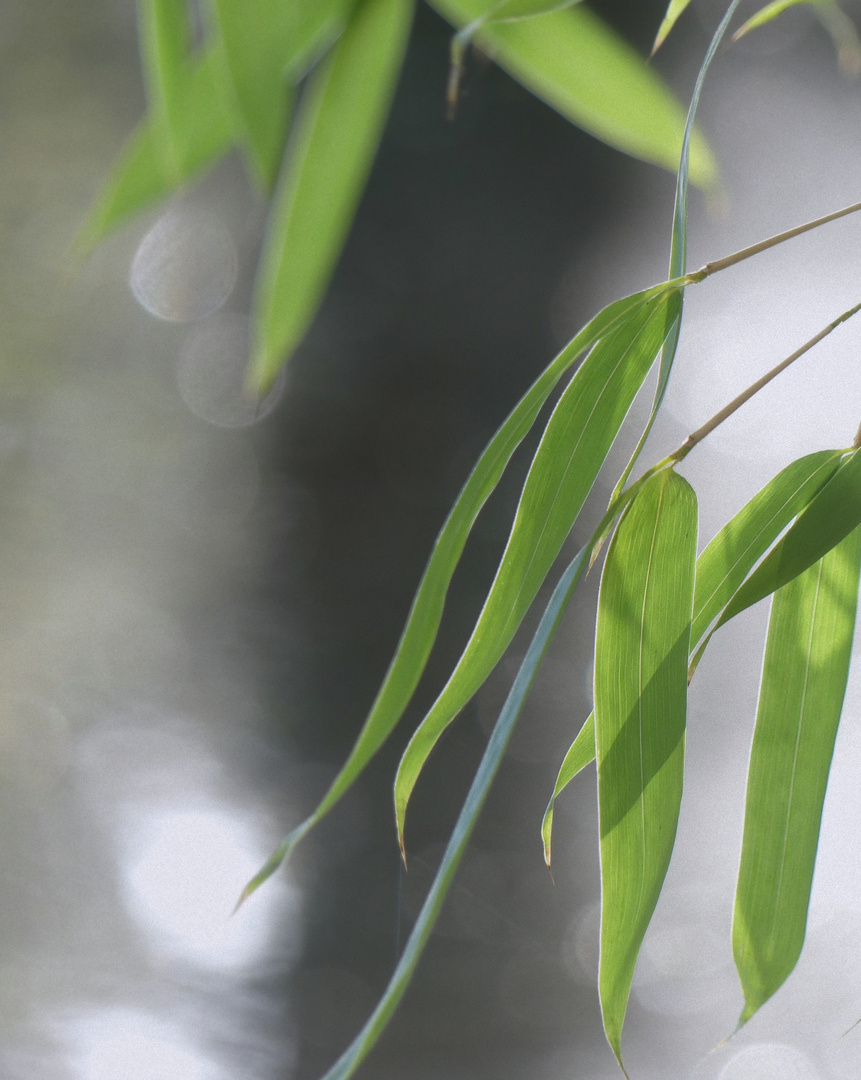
(641, 662)
(675, 9)
(165, 37)
(139, 177)
(329, 157)
(730, 556)
(830, 516)
(575, 63)
(575, 443)
(580, 754)
(425, 614)
(765, 15)
(268, 45)
(804, 677)
(678, 245)
(350, 1060)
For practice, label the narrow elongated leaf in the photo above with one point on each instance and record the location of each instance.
(732, 553)
(765, 15)
(575, 63)
(641, 662)
(832, 514)
(329, 157)
(678, 245)
(349, 1061)
(575, 443)
(676, 7)
(165, 44)
(268, 44)
(580, 754)
(140, 177)
(804, 677)
(425, 614)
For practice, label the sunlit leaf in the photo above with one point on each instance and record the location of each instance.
(580, 753)
(337, 130)
(735, 550)
(425, 614)
(575, 443)
(268, 45)
(349, 1061)
(575, 63)
(641, 664)
(801, 696)
(676, 7)
(830, 516)
(139, 177)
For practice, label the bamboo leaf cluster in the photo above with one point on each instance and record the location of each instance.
(798, 540)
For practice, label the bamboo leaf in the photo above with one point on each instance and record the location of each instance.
(580, 754)
(804, 677)
(164, 31)
(350, 1060)
(766, 15)
(425, 614)
(268, 45)
(830, 516)
(641, 659)
(675, 9)
(732, 553)
(575, 443)
(575, 63)
(329, 157)
(139, 177)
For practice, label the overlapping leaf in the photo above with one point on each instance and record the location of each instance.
(641, 663)
(165, 45)
(330, 155)
(425, 614)
(801, 696)
(203, 130)
(575, 63)
(268, 45)
(721, 569)
(575, 443)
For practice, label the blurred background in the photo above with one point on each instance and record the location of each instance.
(200, 598)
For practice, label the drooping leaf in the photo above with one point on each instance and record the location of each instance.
(575, 63)
(425, 614)
(641, 661)
(804, 677)
(734, 551)
(765, 15)
(830, 516)
(268, 45)
(678, 245)
(350, 1060)
(580, 754)
(139, 177)
(575, 443)
(164, 31)
(676, 7)
(330, 153)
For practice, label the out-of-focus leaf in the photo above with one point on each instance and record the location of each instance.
(330, 153)
(830, 516)
(676, 7)
(678, 245)
(580, 753)
(349, 1061)
(268, 44)
(425, 614)
(140, 178)
(575, 63)
(765, 15)
(804, 677)
(732, 553)
(575, 443)
(843, 33)
(165, 43)
(641, 664)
